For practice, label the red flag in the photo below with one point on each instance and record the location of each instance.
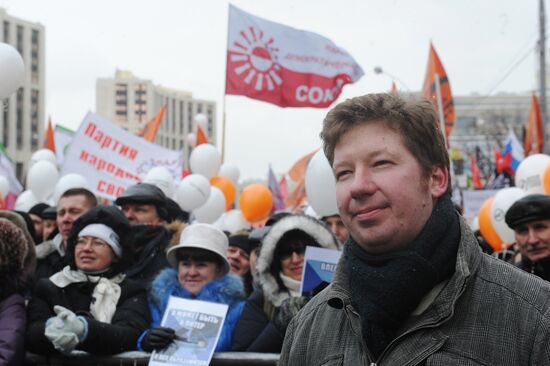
(393, 90)
(435, 74)
(476, 175)
(201, 137)
(149, 132)
(49, 140)
(284, 66)
(534, 135)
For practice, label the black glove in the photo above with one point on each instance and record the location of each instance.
(157, 338)
(287, 310)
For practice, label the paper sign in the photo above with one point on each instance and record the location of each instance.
(198, 325)
(319, 267)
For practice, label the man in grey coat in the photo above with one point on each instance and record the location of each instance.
(412, 286)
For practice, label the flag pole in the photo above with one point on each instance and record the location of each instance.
(225, 90)
(223, 129)
(440, 109)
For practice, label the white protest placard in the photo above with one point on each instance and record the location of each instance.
(319, 267)
(198, 325)
(112, 159)
(473, 200)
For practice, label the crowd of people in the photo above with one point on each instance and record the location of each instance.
(412, 282)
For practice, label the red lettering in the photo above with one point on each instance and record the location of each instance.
(100, 186)
(106, 141)
(110, 168)
(84, 155)
(133, 154)
(124, 150)
(98, 136)
(89, 131)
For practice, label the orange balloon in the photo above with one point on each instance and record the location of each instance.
(255, 202)
(546, 181)
(227, 187)
(486, 226)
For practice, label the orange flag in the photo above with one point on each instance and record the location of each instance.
(534, 135)
(298, 171)
(438, 88)
(393, 90)
(297, 196)
(149, 132)
(476, 174)
(49, 140)
(201, 137)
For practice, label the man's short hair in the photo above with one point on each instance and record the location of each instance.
(415, 121)
(91, 199)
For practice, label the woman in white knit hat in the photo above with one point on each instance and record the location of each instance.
(200, 271)
(90, 305)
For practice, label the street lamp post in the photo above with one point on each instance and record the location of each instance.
(378, 70)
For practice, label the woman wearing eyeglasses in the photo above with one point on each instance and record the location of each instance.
(90, 305)
(263, 322)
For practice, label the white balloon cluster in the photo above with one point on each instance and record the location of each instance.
(12, 70)
(321, 185)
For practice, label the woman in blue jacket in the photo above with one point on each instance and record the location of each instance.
(200, 271)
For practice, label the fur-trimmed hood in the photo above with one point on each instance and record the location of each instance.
(28, 252)
(317, 230)
(228, 289)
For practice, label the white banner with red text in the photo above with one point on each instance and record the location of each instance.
(112, 159)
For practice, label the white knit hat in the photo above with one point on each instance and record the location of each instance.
(202, 236)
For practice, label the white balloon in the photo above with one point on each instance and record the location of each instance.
(232, 222)
(212, 209)
(321, 185)
(503, 200)
(12, 70)
(41, 179)
(25, 201)
(530, 173)
(205, 160)
(43, 154)
(4, 186)
(161, 177)
(192, 192)
(69, 181)
(230, 171)
(191, 139)
(202, 121)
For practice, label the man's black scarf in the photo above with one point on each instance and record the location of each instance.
(385, 289)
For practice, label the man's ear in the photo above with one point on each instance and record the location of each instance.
(439, 181)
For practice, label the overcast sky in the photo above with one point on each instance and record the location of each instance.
(182, 44)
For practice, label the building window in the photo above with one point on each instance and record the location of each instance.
(6, 32)
(121, 102)
(6, 132)
(19, 171)
(141, 103)
(34, 56)
(34, 119)
(19, 43)
(174, 118)
(189, 117)
(199, 108)
(182, 105)
(19, 119)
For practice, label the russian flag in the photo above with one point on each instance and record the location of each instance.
(513, 151)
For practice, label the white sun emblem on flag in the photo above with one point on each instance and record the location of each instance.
(259, 59)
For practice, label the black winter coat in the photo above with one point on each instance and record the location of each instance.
(254, 331)
(150, 245)
(129, 321)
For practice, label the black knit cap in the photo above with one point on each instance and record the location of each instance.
(145, 193)
(49, 214)
(38, 209)
(240, 241)
(527, 209)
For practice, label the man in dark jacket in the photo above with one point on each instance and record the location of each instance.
(529, 217)
(412, 286)
(144, 205)
(51, 253)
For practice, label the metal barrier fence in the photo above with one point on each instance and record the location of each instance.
(142, 359)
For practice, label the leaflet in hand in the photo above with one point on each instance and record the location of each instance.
(198, 325)
(319, 267)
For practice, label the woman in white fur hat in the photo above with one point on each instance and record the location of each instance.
(200, 271)
(90, 305)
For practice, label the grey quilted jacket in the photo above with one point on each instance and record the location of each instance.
(488, 313)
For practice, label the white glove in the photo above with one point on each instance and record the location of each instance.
(65, 330)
